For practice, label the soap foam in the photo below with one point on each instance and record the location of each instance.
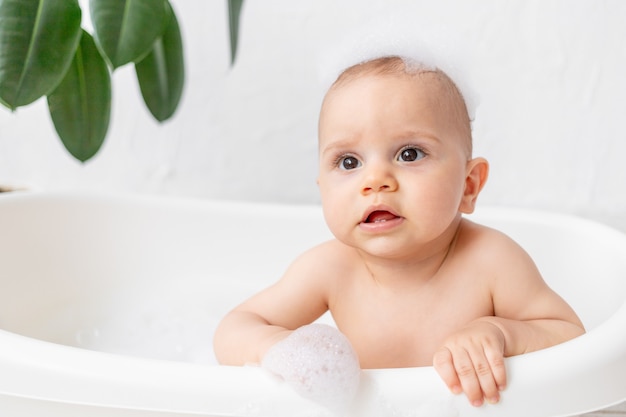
(319, 363)
(427, 46)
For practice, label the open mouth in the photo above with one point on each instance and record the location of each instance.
(380, 216)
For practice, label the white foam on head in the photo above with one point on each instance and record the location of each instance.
(319, 363)
(428, 46)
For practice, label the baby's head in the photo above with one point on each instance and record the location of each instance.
(396, 134)
(447, 98)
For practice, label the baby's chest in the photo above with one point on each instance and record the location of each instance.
(407, 331)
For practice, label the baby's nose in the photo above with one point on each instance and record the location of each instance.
(379, 179)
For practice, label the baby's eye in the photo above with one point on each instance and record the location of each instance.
(349, 162)
(410, 154)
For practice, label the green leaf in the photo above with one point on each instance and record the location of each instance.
(37, 42)
(161, 74)
(234, 13)
(80, 106)
(125, 30)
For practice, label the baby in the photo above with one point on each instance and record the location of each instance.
(408, 280)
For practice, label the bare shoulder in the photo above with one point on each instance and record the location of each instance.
(497, 259)
(491, 246)
(302, 294)
(518, 289)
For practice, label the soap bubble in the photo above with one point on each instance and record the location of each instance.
(319, 363)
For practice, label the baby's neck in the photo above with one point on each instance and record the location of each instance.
(420, 267)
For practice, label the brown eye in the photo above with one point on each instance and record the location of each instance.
(349, 162)
(410, 154)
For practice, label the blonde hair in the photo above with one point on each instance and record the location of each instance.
(451, 99)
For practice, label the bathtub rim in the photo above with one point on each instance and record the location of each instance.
(84, 377)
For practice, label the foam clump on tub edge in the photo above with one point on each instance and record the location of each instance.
(319, 363)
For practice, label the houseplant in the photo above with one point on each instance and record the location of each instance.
(44, 51)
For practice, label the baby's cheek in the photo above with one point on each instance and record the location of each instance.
(319, 362)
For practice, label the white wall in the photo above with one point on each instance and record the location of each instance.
(550, 77)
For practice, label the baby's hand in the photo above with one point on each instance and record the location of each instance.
(319, 363)
(472, 361)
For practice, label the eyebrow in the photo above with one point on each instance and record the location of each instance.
(411, 134)
(339, 144)
(405, 136)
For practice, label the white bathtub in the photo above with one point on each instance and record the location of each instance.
(150, 277)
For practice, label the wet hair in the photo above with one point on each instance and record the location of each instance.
(451, 100)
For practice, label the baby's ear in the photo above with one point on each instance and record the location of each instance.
(475, 179)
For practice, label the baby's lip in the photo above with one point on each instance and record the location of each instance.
(379, 214)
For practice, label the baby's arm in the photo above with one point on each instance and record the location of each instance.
(300, 297)
(528, 316)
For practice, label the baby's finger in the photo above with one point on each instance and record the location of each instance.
(498, 368)
(464, 363)
(442, 361)
(485, 375)
(457, 370)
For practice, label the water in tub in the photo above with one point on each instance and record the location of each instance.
(160, 321)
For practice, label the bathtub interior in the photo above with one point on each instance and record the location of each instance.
(151, 277)
(140, 278)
